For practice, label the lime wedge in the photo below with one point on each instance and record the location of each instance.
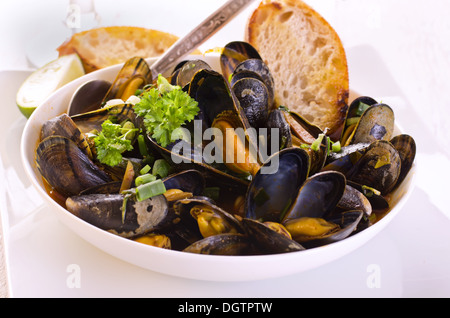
(47, 79)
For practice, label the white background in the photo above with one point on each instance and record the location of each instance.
(398, 51)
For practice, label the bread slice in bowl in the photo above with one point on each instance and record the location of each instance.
(307, 60)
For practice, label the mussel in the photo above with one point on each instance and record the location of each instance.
(378, 168)
(234, 53)
(123, 216)
(66, 168)
(268, 241)
(221, 244)
(134, 75)
(368, 122)
(294, 198)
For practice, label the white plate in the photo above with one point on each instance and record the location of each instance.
(200, 267)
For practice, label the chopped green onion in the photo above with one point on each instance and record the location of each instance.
(146, 178)
(142, 146)
(305, 146)
(362, 108)
(150, 190)
(316, 144)
(145, 170)
(336, 146)
(161, 168)
(127, 194)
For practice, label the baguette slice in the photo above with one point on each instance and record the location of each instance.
(102, 47)
(307, 60)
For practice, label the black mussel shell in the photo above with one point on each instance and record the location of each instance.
(253, 97)
(64, 126)
(353, 199)
(186, 72)
(105, 212)
(318, 196)
(269, 241)
(378, 168)
(376, 123)
(133, 69)
(222, 244)
(275, 186)
(259, 67)
(235, 53)
(191, 181)
(66, 168)
(279, 132)
(348, 222)
(406, 147)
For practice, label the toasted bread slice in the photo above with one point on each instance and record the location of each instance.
(307, 60)
(102, 47)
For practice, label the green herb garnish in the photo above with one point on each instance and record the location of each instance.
(165, 109)
(113, 141)
(150, 190)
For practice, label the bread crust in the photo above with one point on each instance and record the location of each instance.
(102, 47)
(307, 60)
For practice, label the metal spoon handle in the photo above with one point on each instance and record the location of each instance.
(199, 35)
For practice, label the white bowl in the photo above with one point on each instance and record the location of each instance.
(186, 265)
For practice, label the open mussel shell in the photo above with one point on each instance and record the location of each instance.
(318, 196)
(221, 244)
(184, 209)
(66, 168)
(135, 74)
(92, 121)
(378, 168)
(183, 75)
(105, 212)
(294, 130)
(191, 181)
(276, 185)
(269, 241)
(354, 113)
(234, 53)
(354, 109)
(214, 97)
(218, 108)
(347, 224)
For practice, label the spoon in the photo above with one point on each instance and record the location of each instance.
(90, 95)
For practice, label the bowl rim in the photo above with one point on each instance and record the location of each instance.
(99, 237)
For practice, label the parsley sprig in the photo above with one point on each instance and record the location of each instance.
(113, 141)
(165, 109)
